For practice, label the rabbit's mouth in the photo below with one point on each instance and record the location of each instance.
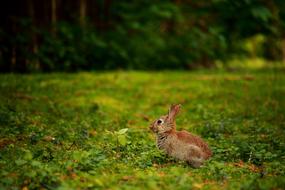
(153, 129)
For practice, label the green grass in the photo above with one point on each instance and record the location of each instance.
(62, 131)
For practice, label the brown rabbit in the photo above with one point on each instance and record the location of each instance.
(179, 144)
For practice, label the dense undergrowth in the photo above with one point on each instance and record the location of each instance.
(90, 130)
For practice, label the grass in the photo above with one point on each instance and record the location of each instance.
(69, 131)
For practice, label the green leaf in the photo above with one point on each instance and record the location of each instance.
(20, 162)
(122, 131)
(28, 155)
(122, 140)
(262, 13)
(35, 163)
(99, 182)
(79, 155)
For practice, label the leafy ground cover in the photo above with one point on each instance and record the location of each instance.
(90, 130)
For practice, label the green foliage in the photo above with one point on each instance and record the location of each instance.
(146, 35)
(90, 130)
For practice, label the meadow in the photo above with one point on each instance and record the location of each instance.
(90, 130)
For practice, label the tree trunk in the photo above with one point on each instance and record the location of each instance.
(82, 12)
(283, 50)
(107, 6)
(34, 42)
(53, 17)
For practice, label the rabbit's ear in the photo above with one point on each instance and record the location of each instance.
(173, 111)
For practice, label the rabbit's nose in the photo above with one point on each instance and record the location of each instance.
(153, 129)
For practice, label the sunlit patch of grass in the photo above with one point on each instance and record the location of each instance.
(253, 63)
(111, 103)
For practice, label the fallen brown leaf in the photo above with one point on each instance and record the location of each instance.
(93, 133)
(248, 77)
(127, 178)
(48, 138)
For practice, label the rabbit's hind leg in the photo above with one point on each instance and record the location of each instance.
(195, 156)
(195, 162)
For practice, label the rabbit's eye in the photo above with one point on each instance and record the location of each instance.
(160, 121)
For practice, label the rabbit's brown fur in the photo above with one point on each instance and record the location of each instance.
(179, 144)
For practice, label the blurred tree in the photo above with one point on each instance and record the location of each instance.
(53, 16)
(67, 35)
(82, 12)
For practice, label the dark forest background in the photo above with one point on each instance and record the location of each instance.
(64, 35)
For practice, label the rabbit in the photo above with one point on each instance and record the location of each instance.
(181, 145)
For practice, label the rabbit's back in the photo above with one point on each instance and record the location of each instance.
(189, 138)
